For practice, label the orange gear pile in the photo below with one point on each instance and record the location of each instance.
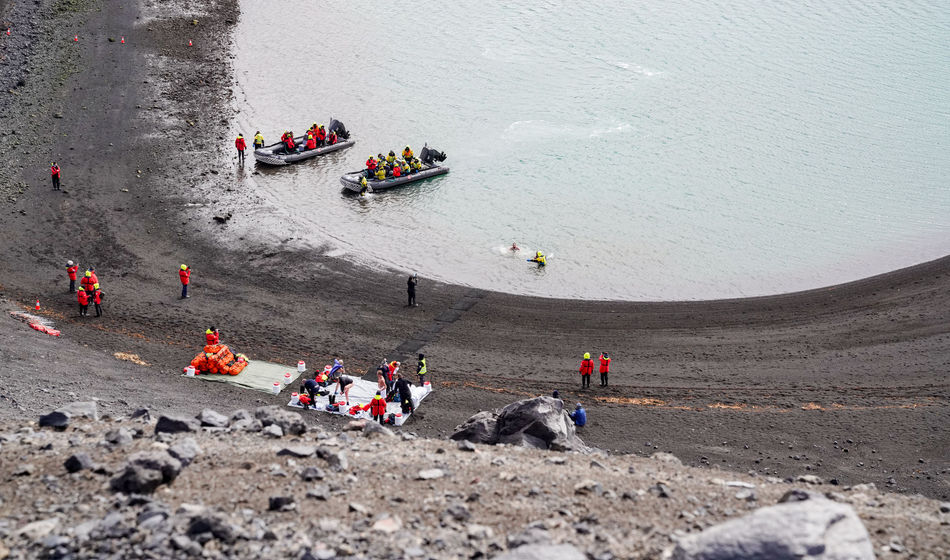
(218, 358)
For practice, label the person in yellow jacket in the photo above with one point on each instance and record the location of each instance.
(407, 154)
(381, 173)
(258, 140)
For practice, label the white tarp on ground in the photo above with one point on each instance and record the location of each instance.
(360, 394)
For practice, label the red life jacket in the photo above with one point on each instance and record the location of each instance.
(97, 296)
(83, 297)
(392, 370)
(371, 164)
(604, 364)
(332, 139)
(185, 276)
(290, 142)
(87, 282)
(397, 171)
(377, 406)
(211, 338)
(304, 399)
(239, 143)
(71, 271)
(587, 367)
(311, 143)
(321, 134)
(54, 171)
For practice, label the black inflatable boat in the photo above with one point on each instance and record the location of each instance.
(428, 157)
(276, 154)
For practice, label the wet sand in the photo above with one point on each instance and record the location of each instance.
(847, 382)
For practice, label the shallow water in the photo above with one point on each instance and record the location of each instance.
(671, 150)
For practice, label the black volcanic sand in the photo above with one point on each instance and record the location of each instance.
(848, 382)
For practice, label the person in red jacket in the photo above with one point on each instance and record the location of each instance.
(397, 171)
(71, 271)
(88, 281)
(54, 174)
(212, 336)
(97, 299)
(587, 368)
(241, 145)
(331, 139)
(311, 141)
(289, 143)
(184, 274)
(377, 407)
(83, 298)
(371, 167)
(604, 368)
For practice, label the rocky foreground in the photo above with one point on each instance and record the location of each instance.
(262, 484)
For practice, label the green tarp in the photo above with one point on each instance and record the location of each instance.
(257, 375)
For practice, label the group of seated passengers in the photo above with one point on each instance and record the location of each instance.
(316, 137)
(383, 167)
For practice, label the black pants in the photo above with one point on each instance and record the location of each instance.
(72, 286)
(381, 418)
(405, 401)
(55, 182)
(241, 157)
(311, 392)
(412, 298)
(184, 291)
(585, 380)
(83, 309)
(422, 380)
(98, 310)
(603, 379)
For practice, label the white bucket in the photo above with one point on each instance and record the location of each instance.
(301, 366)
(427, 386)
(287, 377)
(190, 371)
(276, 388)
(294, 398)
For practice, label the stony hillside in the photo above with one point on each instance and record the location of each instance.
(262, 485)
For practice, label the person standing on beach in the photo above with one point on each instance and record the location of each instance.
(83, 299)
(184, 274)
(411, 289)
(88, 280)
(71, 271)
(587, 368)
(604, 368)
(54, 174)
(97, 299)
(422, 370)
(241, 145)
(258, 140)
(404, 388)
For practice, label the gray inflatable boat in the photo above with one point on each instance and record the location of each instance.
(276, 154)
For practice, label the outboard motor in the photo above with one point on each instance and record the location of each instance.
(430, 156)
(341, 131)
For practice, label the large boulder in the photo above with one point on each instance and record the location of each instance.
(209, 417)
(146, 471)
(84, 409)
(813, 528)
(176, 424)
(540, 423)
(289, 422)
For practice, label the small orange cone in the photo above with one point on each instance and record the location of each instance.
(37, 305)
(189, 43)
(123, 40)
(75, 38)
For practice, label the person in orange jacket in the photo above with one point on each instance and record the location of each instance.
(184, 274)
(587, 368)
(83, 298)
(71, 271)
(321, 134)
(241, 145)
(311, 141)
(212, 337)
(332, 138)
(377, 407)
(88, 281)
(604, 368)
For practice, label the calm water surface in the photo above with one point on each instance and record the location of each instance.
(681, 149)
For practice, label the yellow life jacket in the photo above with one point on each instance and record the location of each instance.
(381, 174)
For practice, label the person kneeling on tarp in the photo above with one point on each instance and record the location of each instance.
(377, 407)
(310, 387)
(305, 401)
(404, 388)
(579, 416)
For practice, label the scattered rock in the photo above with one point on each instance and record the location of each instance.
(289, 422)
(945, 507)
(119, 436)
(813, 528)
(810, 479)
(388, 525)
(185, 451)
(321, 493)
(312, 473)
(540, 422)
(176, 425)
(666, 458)
(141, 413)
(24, 469)
(36, 530)
(214, 524)
(374, 429)
(458, 512)
(281, 503)
(222, 218)
(55, 419)
(358, 508)
(209, 417)
(300, 451)
(588, 487)
(355, 425)
(465, 445)
(146, 471)
(661, 490)
(78, 462)
(336, 459)
(273, 431)
(430, 474)
(543, 552)
(84, 409)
